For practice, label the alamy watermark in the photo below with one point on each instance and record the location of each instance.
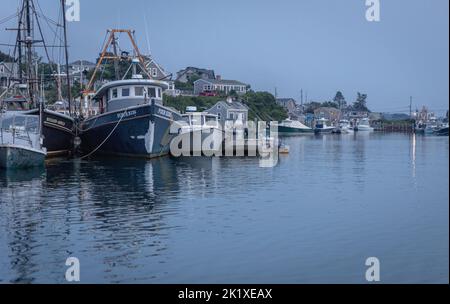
(373, 10)
(373, 272)
(231, 139)
(73, 10)
(73, 272)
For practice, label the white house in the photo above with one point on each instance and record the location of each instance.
(219, 85)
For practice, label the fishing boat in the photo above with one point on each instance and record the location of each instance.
(198, 132)
(20, 142)
(132, 119)
(293, 127)
(364, 126)
(24, 93)
(323, 126)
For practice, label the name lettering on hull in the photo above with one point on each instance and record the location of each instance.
(126, 114)
(55, 121)
(164, 113)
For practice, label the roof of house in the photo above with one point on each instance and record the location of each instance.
(222, 81)
(236, 105)
(209, 73)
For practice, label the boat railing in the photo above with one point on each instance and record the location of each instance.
(19, 127)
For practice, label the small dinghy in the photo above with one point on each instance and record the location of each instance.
(284, 149)
(21, 142)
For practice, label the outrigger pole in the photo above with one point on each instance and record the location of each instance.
(106, 55)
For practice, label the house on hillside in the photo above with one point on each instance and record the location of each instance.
(8, 72)
(189, 73)
(78, 71)
(288, 103)
(356, 115)
(155, 70)
(330, 113)
(219, 85)
(230, 111)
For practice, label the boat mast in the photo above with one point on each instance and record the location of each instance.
(69, 93)
(29, 47)
(116, 58)
(19, 43)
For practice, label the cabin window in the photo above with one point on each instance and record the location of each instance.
(125, 92)
(139, 91)
(114, 93)
(152, 92)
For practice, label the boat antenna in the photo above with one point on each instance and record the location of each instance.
(146, 33)
(69, 93)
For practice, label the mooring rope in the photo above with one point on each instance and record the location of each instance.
(109, 135)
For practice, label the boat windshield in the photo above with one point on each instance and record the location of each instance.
(210, 120)
(26, 123)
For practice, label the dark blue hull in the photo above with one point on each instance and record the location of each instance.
(58, 132)
(143, 131)
(442, 132)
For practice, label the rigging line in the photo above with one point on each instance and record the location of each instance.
(6, 19)
(42, 36)
(49, 20)
(49, 26)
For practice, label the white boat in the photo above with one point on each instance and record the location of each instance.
(345, 127)
(198, 132)
(293, 127)
(21, 142)
(364, 126)
(323, 126)
(431, 126)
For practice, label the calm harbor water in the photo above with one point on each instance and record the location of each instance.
(330, 204)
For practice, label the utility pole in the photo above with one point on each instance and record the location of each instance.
(410, 106)
(301, 97)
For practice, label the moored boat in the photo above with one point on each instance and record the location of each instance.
(364, 126)
(442, 130)
(344, 127)
(293, 127)
(20, 142)
(26, 89)
(323, 126)
(132, 120)
(197, 132)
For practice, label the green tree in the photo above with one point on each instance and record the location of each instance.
(312, 106)
(360, 103)
(339, 99)
(329, 104)
(5, 57)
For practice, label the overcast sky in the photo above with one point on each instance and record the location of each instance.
(319, 45)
